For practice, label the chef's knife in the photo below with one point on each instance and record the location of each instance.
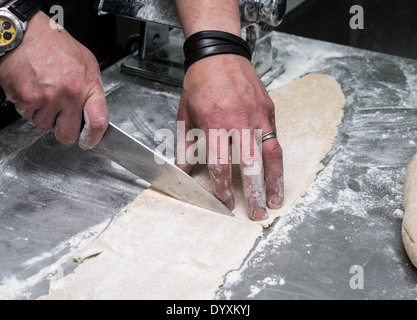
(144, 162)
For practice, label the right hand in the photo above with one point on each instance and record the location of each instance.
(51, 78)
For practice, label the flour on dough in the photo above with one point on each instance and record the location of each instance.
(409, 225)
(161, 248)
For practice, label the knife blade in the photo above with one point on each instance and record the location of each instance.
(139, 159)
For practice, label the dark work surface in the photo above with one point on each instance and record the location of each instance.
(389, 26)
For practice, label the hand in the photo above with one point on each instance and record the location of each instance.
(225, 92)
(52, 78)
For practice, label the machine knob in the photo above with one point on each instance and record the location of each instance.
(269, 12)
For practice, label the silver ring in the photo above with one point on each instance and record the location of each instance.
(267, 136)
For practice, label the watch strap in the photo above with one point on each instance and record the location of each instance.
(24, 9)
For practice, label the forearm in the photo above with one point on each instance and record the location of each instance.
(197, 15)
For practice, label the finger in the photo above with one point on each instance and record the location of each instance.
(273, 165)
(221, 177)
(252, 173)
(68, 120)
(25, 111)
(67, 126)
(220, 166)
(183, 147)
(44, 119)
(96, 120)
(274, 173)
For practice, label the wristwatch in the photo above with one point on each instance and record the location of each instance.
(13, 22)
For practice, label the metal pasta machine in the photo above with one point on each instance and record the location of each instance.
(158, 54)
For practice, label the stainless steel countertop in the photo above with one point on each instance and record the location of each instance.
(52, 196)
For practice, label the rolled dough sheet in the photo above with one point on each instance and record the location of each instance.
(161, 248)
(409, 225)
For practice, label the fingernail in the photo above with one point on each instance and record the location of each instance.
(259, 214)
(85, 146)
(275, 202)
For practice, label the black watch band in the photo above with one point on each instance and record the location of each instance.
(24, 9)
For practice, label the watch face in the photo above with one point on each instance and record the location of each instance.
(11, 31)
(7, 31)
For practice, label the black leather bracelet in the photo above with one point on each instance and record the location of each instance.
(208, 43)
(24, 9)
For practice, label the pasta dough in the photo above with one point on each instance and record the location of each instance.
(409, 225)
(161, 248)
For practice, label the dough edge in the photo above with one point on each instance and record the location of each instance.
(409, 224)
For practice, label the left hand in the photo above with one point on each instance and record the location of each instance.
(225, 92)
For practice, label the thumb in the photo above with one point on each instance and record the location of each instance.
(96, 120)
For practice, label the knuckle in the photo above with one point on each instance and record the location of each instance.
(213, 120)
(276, 149)
(219, 169)
(66, 137)
(93, 77)
(248, 93)
(272, 150)
(43, 127)
(241, 116)
(26, 96)
(218, 159)
(46, 94)
(98, 124)
(251, 161)
(269, 105)
(72, 85)
(249, 154)
(240, 111)
(70, 139)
